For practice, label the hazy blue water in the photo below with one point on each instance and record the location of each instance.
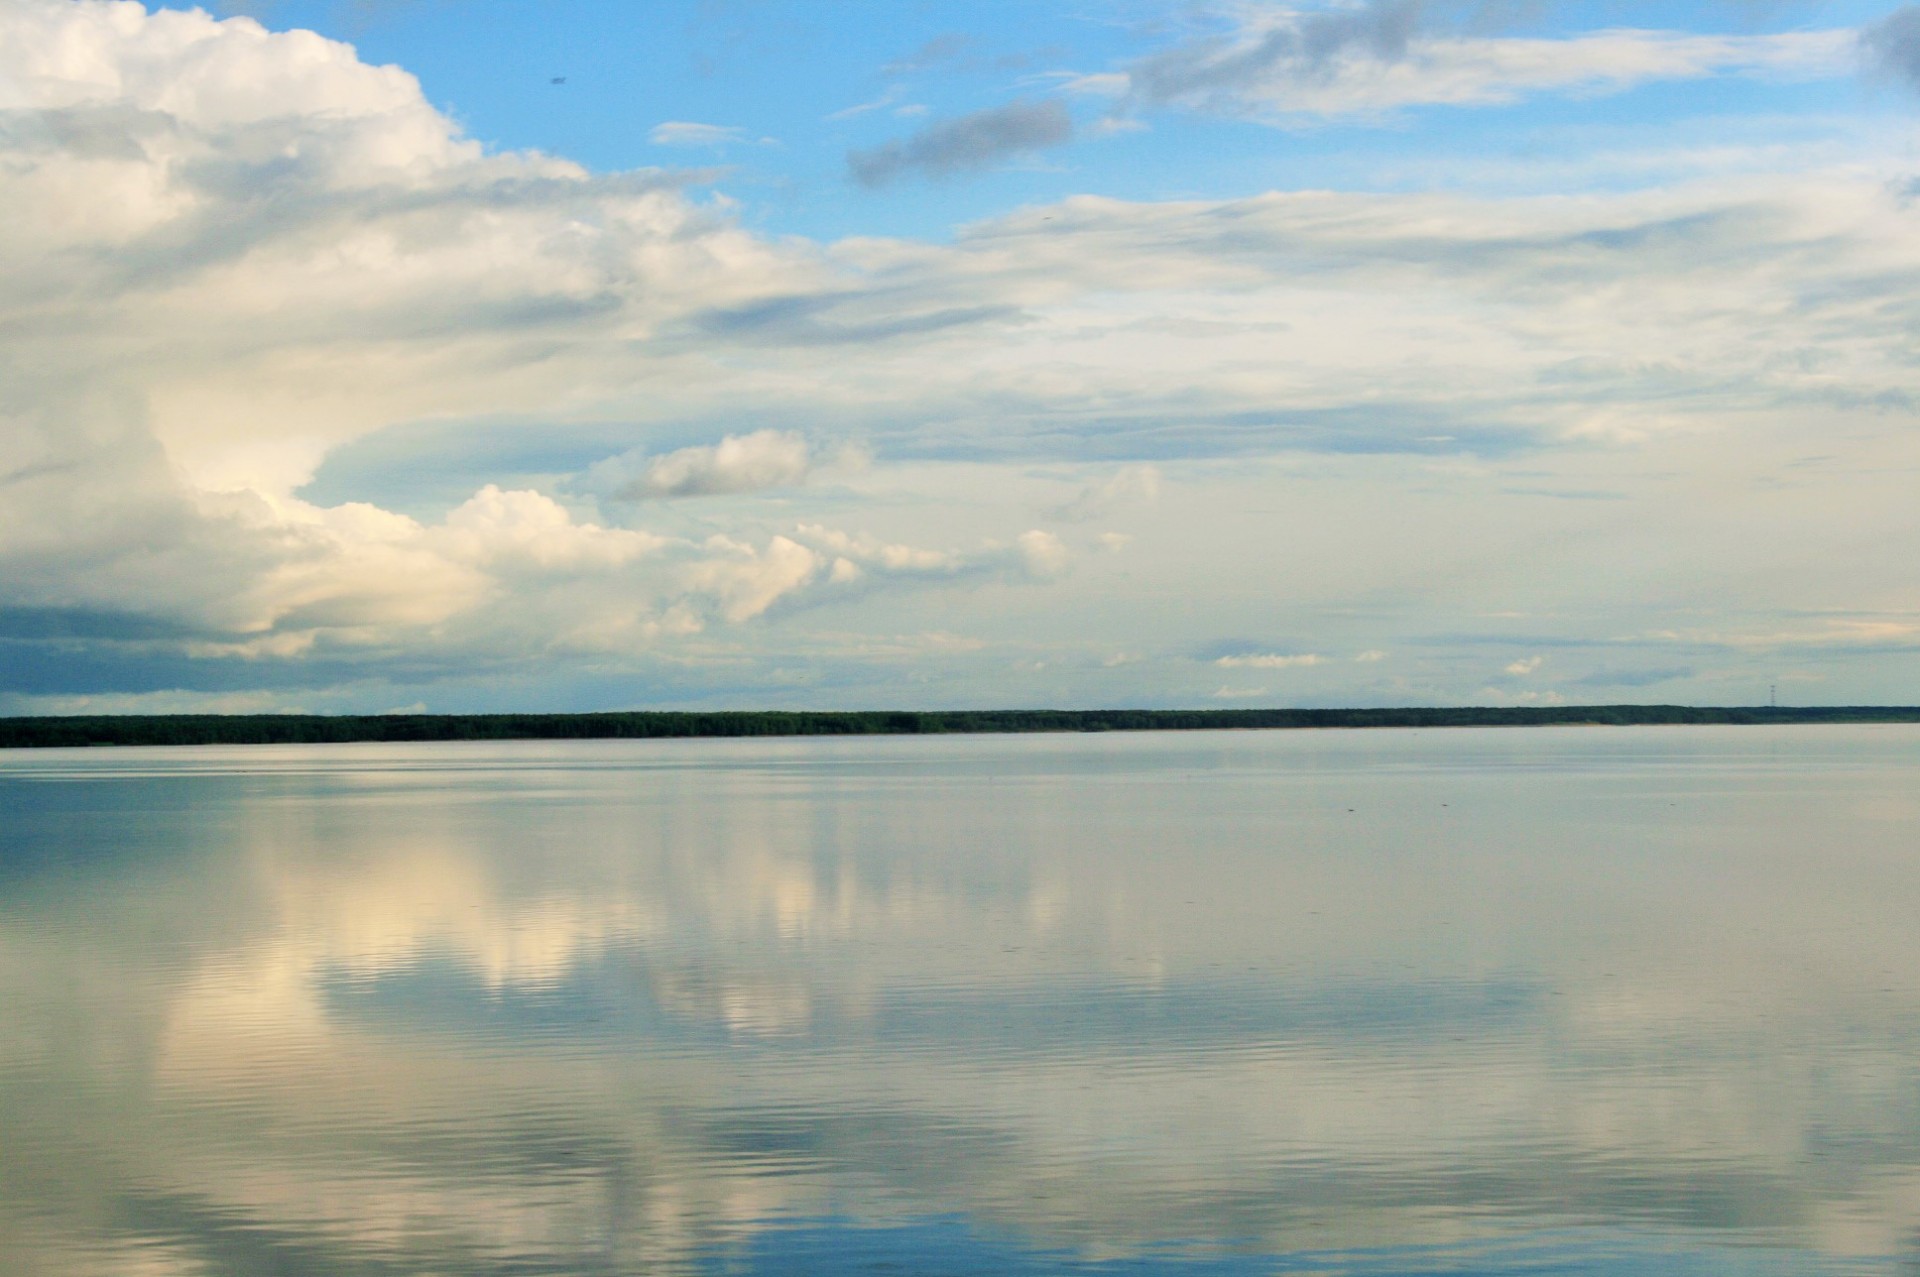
(1594, 1001)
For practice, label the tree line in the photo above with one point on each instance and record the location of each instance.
(314, 729)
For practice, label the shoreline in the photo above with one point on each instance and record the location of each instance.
(66, 732)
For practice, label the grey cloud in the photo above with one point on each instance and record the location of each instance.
(1381, 29)
(95, 523)
(95, 666)
(1208, 68)
(1634, 678)
(830, 319)
(967, 143)
(1186, 426)
(1892, 45)
(56, 623)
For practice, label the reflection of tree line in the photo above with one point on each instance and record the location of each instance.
(303, 729)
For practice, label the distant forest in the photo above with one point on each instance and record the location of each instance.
(303, 729)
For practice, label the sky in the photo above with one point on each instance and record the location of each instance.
(467, 355)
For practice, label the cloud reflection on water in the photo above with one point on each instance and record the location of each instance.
(1149, 1003)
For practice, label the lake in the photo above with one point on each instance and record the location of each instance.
(1599, 1001)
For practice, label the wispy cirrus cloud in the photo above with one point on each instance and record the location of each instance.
(1282, 64)
(689, 133)
(1273, 44)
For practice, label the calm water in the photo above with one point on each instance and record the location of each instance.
(1596, 1001)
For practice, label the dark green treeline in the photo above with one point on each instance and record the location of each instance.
(293, 729)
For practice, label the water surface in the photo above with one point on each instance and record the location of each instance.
(1583, 1000)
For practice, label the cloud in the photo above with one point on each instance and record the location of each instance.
(1281, 63)
(940, 49)
(1042, 554)
(1126, 486)
(280, 309)
(527, 527)
(892, 95)
(1634, 677)
(738, 463)
(1892, 45)
(1835, 633)
(685, 133)
(1526, 665)
(1269, 661)
(968, 143)
(744, 582)
(1034, 555)
(231, 253)
(1275, 44)
(281, 249)
(838, 319)
(1370, 657)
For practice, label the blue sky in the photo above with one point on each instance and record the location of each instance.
(1092, 353)
(802, 86)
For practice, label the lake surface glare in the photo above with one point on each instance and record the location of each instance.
(1592, 1001)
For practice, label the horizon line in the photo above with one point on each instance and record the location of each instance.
(87, 730)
